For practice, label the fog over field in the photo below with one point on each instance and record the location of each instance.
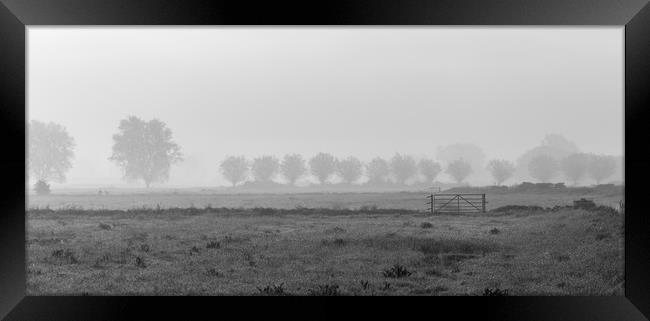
(325, 161)
(364, 92)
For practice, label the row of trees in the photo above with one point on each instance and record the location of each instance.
(324, 166)
(145, 150)
(575, 167)
(402, 168)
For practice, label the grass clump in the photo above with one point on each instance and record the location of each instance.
(495, 292)
(396, 271)
(273, 290)
(139, 262)
(338, 242)
(214, 272)
(213, 245)
(325, 290)
(426, 225)
(66, 256)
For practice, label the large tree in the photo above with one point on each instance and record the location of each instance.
(501, 170)
(50, 153)
(145, 150)
(265, 168)
(429, 169)
(543, 168)
(601, 167)
(322, 166)
(403, 168)
(292, 168)
(234, 169)
(377, 170)
(459, 169)
(575, 166)
(349, 169)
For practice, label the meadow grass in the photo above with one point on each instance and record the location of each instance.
(323, 252)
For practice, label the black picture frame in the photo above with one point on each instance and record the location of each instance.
(16, 15)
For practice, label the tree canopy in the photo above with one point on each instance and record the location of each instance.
(501, 170)
(403, 167)
(543, 167)
(50, 151)
(265, 168)
(459, 170)
(575, 166)
(377, 170)
(234, 169)
(145, 150)
(429, 169)
(293, 168)
(349, 169)
(322, 166)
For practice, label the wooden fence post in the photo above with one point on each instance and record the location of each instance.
(483, 203)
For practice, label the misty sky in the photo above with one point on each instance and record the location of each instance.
(355, 91)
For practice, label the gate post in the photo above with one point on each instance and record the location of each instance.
(483, 203)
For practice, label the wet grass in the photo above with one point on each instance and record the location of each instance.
(324, 252)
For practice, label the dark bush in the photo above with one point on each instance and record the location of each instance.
(214, 272)
(495, 231)
(139, 262)
(105, 226)
(426, 225)
(66, 255)
(584, 204)
(42, 187)
(273, 290)
(213, 245)
(495, 292)
(338, 242)
(325, 290)
(396, 271)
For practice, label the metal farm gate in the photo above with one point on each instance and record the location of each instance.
(441, 203)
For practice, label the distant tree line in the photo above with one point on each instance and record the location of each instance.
(324, 166)
(145, 151)
(575, 167)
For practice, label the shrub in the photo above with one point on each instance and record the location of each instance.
(396, 271)
(194, 249)
(105, 226)
(495, 292)
(139, 262)
(325, 290)
(42, 187)
(335, 242)
(495, 231)
(584, 204)
(66, 255)
(213, 245)
(426, 225)
(214, 272)
(273, 290)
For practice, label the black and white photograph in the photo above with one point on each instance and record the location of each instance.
(325, 161)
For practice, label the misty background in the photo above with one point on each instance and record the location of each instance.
(364, 92)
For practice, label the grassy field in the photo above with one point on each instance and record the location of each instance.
(322, 252)
(402, 200)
